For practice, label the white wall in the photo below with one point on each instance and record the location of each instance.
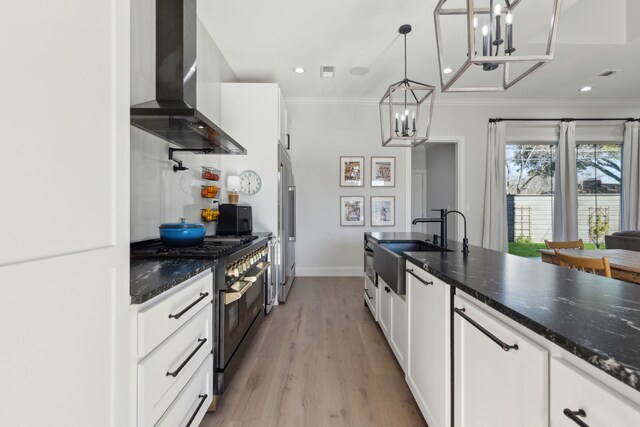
(157, 193)
(321, 133)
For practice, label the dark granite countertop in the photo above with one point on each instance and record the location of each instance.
(595, 318)
(151, 277)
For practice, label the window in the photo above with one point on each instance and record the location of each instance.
(530, 181)
(599, 168)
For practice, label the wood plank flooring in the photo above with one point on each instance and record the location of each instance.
(319, 360)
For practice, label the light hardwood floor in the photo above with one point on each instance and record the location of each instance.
(319, 360)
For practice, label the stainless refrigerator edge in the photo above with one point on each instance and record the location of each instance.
(285, 258)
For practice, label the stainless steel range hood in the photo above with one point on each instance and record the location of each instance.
(173, 115)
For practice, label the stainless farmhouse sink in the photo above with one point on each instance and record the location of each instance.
(390, 265)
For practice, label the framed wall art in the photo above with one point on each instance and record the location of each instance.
(351, 171)
(383, 211)
(383, 171)
(352, 210)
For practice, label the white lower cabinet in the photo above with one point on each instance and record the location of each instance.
(173, 362)
(501, 378)
(393, 321)
(384, 307)
(429, 355)
(577, 398)
(190, 407)
(371, 296)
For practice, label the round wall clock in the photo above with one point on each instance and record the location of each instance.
(250, 182)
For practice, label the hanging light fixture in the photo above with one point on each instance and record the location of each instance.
(404, 109)
(501, 64)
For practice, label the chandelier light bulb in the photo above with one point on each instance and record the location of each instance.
(485, 30)
(402, 118)
(397, 115)
(406, 113)
(509, 19)
(498, 10)
(475, 22)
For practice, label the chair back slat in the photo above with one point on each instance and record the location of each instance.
(569, 244)
(590, 265)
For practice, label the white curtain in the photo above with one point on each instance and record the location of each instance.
(494, 226)
(565, 200)
(631, 177)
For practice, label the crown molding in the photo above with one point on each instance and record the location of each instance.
(477, 102)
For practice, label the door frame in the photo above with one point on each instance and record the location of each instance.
(458, 142)
(423, 174)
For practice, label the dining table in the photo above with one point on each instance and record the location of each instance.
(625, 264)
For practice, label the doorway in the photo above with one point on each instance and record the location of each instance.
(436, 183)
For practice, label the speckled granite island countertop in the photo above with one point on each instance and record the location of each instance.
(151, 277)
(595, 318)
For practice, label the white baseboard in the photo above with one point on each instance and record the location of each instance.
(329, 271)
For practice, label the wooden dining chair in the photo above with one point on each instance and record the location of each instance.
(590, 265)
(569, 244)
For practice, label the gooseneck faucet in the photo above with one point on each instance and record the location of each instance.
(443, 226)
(465, 241)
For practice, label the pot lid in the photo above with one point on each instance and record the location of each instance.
(182, 225)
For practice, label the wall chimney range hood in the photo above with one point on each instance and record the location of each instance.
(173, 115)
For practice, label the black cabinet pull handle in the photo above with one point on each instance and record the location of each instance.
(504, 345)
(202, 398)
(366, 291)
(386, 288)
(424, 282)
(183, 364)
(177, 316)
(573, 416)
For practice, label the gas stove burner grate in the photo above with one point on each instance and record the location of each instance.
(207, 249)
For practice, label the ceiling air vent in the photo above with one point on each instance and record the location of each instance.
(327, 71)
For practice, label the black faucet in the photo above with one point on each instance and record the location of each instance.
(443, 226)
(465, 241)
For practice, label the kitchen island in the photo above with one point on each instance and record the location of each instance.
(590, 322)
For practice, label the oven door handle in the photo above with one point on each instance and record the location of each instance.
(230, 297)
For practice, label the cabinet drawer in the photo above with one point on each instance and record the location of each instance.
(160, 320)
(163, 373)
(371, 296)
(191, 405)
(574, 390)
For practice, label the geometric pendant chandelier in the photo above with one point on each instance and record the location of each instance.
(490, 45)
(406, 109)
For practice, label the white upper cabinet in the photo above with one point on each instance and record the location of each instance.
(501, 378)
(64, 252)
(283, 120)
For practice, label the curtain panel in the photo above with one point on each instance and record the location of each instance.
(494, 225)
(631, 178)
(565, 197)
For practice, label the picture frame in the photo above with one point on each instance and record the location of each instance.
(383, 211)
(351, 211)
(351, 171)
(383, 171)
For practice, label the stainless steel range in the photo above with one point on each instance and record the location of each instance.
(241, 276)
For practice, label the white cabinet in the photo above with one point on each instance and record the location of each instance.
(393, 321)
(174, 332)
(429, 361)
(371, 296)
(501, 378)
(384, 307)
(573, 393)
(283, 120)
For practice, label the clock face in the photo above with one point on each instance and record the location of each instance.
(250, 182)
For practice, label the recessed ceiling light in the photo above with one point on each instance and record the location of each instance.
(585, 88)
(359, 71)
(448, 70)
(298, 70)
